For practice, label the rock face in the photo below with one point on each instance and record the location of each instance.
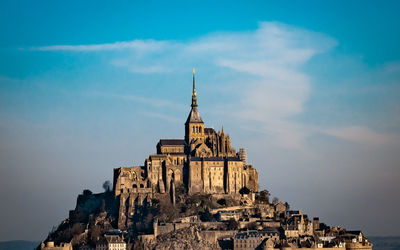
(92, 217)
(188, 238)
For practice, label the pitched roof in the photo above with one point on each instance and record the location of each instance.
(194, 116)
(209, 131)
(172, 142)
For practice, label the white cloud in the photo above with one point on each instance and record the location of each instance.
(362, 135)
(139, 45)
(270, 59)
(154, 102)
(139, 68)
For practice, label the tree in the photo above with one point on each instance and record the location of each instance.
(103, 206)
(221, 202)
(287, 206)
(206, 216)
(167, 211)
(77, 228)
(95, 233)
(87, 192)
(244, 190)
(107, 186)
(264, 196)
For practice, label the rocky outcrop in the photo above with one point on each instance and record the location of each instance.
(188, 238)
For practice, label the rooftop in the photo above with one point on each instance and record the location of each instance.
(194, 116)
(172, 142)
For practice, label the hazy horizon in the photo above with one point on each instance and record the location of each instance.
(312, 91)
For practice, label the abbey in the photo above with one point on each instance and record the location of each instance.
(202, 162)
(194, 193)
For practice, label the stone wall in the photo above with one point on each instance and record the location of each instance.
(213, 236)
(165, 228)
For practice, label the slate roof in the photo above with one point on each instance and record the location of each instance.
(357, 232)
(194, 116)
(195, 158)
(232, 158)
(213, 159)
(209, 131)
(172, 142)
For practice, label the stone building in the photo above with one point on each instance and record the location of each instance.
(111, 242)
(51, 246)
(255, 240)
(203, 162)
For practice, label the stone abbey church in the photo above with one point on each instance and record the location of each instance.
(203, 162)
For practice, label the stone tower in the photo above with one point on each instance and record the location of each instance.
(194, 125)
(243, 155)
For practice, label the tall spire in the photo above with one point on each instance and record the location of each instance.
(194, 95)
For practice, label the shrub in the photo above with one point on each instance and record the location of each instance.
(87, 192)
(222, 202)
(263, 196)
(206, 216)
(77, 228)
(232, 224)
(244, 190)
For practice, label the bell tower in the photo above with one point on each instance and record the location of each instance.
(194, 125)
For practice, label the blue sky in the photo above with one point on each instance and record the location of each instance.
(311, 89)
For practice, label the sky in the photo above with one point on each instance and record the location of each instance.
(310, 89)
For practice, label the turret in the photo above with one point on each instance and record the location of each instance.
(243, 155)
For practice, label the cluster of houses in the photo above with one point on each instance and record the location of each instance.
(260, 226)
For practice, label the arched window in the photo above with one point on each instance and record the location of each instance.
(193, 129)
(199, 129)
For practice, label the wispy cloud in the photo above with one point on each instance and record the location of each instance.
(162, 116)
(139, 45)
(140, 68)
(264, 68)
(153, 102)
(362, 135)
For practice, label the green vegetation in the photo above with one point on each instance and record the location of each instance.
(263, 197)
